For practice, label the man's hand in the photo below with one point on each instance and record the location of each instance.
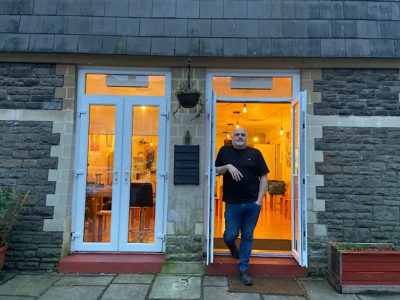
(235, 173)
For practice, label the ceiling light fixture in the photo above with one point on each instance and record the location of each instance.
(237, 122)
(244, 108)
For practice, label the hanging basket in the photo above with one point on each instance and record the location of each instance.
(188, 100)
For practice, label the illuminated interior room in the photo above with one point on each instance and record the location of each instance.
(269, 130)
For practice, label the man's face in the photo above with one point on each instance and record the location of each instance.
(239, 138)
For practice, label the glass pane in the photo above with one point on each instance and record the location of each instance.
(296, 210)
(143, 174)
(96, 85)
(296, 138)
(99, 173)
(281, 88)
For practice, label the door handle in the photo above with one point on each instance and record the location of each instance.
(129, 172)
(115, 175)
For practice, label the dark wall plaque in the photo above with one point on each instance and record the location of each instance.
(186, 164)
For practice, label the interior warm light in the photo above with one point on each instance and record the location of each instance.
(237, 125)
(244, 108)
(281, 133)
(256, 139)
(143, 107)
(228, 136)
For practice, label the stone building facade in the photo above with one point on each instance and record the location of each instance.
(346, 52)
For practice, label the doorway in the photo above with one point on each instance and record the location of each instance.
(120, 183)
(269, 130)
(273, 109)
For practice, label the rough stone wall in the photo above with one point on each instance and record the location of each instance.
(29, 86)
(25, 162)
(185, 202)
(356, 138)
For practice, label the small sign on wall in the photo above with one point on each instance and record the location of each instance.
(186, 164)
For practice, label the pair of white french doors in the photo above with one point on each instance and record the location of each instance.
(120, 174)
(298, 163)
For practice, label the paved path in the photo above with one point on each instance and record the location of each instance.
(43, 286)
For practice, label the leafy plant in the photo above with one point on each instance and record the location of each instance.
(11, 202)
(352, 247)
(185, 89)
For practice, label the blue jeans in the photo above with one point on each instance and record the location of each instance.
(243, 217)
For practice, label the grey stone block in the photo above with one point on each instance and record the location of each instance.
(258, 9)
(355, 10)
(17, 7)
(223, 28)
(26, 285)
(382, 48)
(306, 9)
(368, 29)
(118, 8)
(187, 46)
(319, 28)
(2, 44)
(379, 10)
(124, 291)
(70, 7)
(247, 28)
(331, 10)
(344, 28)
(55, 24)
(138, 45)
(90, 44)
(235, 9)
(163, 46)
(17, 42)
(85, 280)
(211, 46)
(395, 10)
(199, 28)
(187, 8)
(283, 47)
(41, 42)
(235, 47)
(167, 286)
(295, 28)
(134, 278)
(271, 28)
(92, 7)
(9, 24)
(65, 43)
(308, 47)
(73, 292)
(333, 48)
(127, 26)
(175, 27)
(31, 24)
(211, 9)
(259, 47)
(103, 25)
(389, 29)
(151, 27)
(79, 25)
(164, 8)
(397, 47)
(357, 48)
(45, 7)
(114, 44)
(282, 9)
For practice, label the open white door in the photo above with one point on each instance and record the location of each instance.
(299, 196)
(211, 180)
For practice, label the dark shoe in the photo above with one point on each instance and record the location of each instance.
(234, 251)
(245, 278)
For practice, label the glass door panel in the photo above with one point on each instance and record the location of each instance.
(295, 173)
(100, 168)
(143, 174)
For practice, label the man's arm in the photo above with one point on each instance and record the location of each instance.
(262, 189)
(236, 175)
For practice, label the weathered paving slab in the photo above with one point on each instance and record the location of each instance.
(16, 298)
(176, 287)
(321, 289)
(73, 292)
(126, 291)
(282, 297)
(215, 281)
(134, 278)
(220, 293)
(5, 276)
(28, 285)
(85, 280)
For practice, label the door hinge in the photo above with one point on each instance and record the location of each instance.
(163, 174)
(304, 181)
(166, 115)
(160, 236)
(75, 235)
(82, 112)
(79, 172)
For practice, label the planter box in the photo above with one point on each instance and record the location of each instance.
(364, 271)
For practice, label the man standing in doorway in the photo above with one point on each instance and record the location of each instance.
(244, 185)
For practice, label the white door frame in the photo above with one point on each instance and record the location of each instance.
(81, 143)
(210, 113)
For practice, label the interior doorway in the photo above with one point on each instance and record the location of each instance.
(269, 130)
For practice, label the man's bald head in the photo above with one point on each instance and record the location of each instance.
(239, 138)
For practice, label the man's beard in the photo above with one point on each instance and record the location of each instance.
(239, 143)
